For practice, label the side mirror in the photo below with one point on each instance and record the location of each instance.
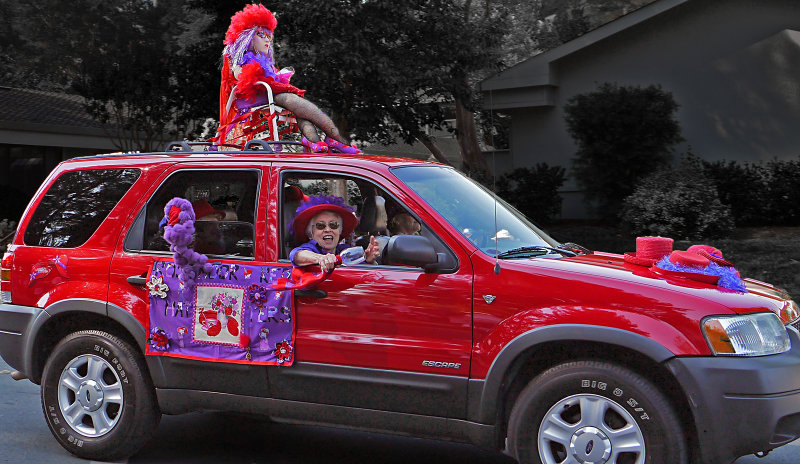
(411, 250)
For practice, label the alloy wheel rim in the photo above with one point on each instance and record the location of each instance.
(590, 429)
(90, 395)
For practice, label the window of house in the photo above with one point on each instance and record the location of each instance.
(75, 205)
(224, 202)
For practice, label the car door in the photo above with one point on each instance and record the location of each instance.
(142, 243)
(392, 338)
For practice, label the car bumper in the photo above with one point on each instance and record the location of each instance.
(16, 324)
(742, 405)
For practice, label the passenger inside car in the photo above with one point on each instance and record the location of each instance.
(208, 236)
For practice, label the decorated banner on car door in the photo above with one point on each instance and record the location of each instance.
(231, 314)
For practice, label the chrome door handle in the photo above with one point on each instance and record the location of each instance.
(137, 280)
(310, 293)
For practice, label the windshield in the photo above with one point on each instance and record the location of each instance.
(470, 208)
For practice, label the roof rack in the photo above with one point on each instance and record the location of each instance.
(251, 145)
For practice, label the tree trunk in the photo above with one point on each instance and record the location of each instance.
(431, 146)
(467, 136)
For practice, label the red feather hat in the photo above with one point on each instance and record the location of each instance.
(251, 16)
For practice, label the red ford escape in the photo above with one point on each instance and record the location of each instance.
(481, 329)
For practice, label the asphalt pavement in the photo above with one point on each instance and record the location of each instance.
(221, 438)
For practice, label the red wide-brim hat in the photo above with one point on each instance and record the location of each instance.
(711, 253)
(696, 276)
(649, 250)
(687, 260)
(317, 204)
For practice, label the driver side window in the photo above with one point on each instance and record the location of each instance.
(379, 213)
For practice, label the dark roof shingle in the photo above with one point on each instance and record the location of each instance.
(40, 107)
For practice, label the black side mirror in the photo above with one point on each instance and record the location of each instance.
(411, 250)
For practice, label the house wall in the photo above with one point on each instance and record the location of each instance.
(732, 65)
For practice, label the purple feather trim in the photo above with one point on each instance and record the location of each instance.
(180, 236)
(728, 276)
(263, 60)
(315, 200)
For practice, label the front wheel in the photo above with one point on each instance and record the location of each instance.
(594, 412)
(96, 398)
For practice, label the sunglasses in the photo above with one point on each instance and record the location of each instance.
(321, 225)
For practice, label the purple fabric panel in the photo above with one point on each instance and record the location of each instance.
(231, 315)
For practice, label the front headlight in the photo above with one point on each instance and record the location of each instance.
(755, 334)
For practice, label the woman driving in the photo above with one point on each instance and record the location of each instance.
(322, 222)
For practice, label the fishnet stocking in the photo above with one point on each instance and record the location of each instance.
(309, 115)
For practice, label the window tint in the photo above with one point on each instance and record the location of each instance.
(225, 202)
(75, 206)
(486, 220)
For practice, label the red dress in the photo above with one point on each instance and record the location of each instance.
(247, 89)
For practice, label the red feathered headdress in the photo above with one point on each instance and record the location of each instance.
(251, 16)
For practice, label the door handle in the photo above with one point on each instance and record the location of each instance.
(137, 280)
(310, 293)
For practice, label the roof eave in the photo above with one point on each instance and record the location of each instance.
(535, 71)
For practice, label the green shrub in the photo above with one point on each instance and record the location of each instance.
(763, 194)
(782, 206)
(623, 134)
(534, 191)
(681, 203)
(743, 187)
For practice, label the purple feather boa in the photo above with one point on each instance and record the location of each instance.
(728, 276)
(180, 236)
(315, 200)
(264, 61)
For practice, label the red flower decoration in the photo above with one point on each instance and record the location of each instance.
(283, 351)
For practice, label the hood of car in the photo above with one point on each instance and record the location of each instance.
(606, 270)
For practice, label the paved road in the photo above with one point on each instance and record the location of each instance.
(218, 438)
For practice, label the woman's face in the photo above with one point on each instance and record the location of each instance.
(326, 228)
(262, 40)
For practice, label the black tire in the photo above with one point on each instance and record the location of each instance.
(97, 398)
(585, 411)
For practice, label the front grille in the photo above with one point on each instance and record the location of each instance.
(796, 324)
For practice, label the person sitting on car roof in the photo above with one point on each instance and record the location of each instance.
(248, 59)
(322, 222)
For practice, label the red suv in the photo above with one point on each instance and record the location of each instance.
(480, 329)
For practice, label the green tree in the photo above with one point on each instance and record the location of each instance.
(123, 56)
(623, 133)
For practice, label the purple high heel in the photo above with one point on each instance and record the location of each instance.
(315, 147)
(342, 148)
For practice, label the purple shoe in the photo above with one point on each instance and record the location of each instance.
(315, 147)
(342, 148)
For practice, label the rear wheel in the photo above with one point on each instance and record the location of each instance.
(594, 412)
(96, 398)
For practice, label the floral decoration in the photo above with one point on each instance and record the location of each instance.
(158, 339)
(257, 295)
(157, 286)
(283, 351)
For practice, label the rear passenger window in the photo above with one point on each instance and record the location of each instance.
(224, 202)
(75, 206)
